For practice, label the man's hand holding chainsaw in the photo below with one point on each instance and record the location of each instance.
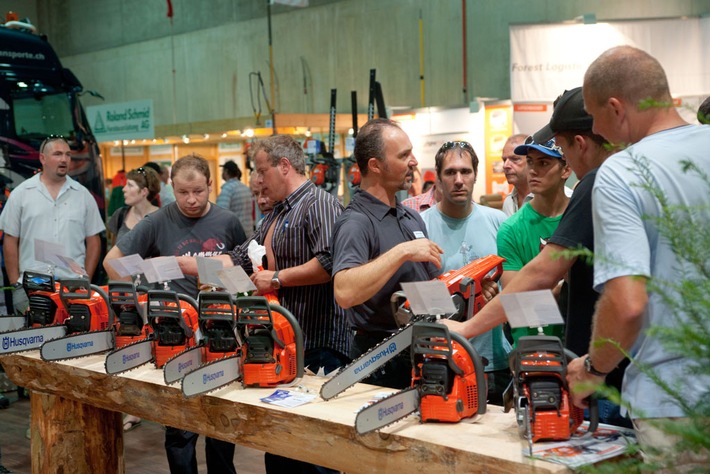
(356, 285)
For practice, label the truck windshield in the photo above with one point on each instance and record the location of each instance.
(38, 116)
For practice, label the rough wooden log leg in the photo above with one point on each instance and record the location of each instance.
(71, 437)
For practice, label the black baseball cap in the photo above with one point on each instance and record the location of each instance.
(569, 114)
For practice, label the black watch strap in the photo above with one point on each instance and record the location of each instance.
(591, 370)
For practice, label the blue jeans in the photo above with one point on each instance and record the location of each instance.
(314, 359)
(610, 413)
(182, 458)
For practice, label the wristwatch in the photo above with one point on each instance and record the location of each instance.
(17, 285)
(275, 282)
(589, 368)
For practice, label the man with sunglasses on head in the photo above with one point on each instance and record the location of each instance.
(378, 243)
(524, 235)
(467, 231)
(50, 206)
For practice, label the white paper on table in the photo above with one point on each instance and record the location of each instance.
(235, 280)
(49, 252)
(429, 297)
(531, 309)
(127, 266)
(207, 269)
(284, 398)
(162, 269)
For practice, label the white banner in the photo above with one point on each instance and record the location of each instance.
(122, 121)
(546, 60)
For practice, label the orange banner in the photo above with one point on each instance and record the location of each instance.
(498, 127)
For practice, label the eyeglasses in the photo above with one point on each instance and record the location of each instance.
(456, 144)
(142, 171)
(548, 145)
(49, 139)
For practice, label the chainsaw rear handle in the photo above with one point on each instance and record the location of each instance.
(80, 289)
(166, 304)
(592, 400)
(123, 293)
(216, 306)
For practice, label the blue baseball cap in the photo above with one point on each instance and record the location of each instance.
(548, 148)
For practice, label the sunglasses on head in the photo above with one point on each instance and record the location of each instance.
(549, 145)
(456, 144)
(49, 139)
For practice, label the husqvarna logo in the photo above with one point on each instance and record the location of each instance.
(389, 411)
(27, 342)
(206, 378)
(73, 346)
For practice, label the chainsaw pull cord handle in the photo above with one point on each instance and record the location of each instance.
(592, 400)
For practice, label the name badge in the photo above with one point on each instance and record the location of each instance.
(418, 234)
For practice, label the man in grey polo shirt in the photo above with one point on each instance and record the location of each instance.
(378, 243)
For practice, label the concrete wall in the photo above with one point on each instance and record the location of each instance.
(126, 49)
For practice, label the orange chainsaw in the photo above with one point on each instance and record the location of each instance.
(46, 319)
(88, 309)
(543, 407)
(217, 322)
(271, 352)
(464, 285)
(448, 382)
(172, 318)
(127, 303)
(93, 326)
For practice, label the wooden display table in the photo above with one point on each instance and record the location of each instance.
(76, 424)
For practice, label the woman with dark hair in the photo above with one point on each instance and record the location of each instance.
(142, 185)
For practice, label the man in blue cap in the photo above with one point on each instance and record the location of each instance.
(584, 151)
(525, 233)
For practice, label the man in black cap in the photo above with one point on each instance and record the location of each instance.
(584, 151)
(237, 197)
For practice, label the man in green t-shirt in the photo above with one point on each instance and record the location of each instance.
(525, 233)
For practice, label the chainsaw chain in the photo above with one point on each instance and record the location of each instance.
(382, 400)
(149, 338)
(213, 362)
(414, 319)
(81, 334)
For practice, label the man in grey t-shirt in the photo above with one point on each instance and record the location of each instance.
(189, 226)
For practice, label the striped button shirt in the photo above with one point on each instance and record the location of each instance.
(303, 229)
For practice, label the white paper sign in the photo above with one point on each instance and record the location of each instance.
(207, 269)
(127, 266)
(235, 280)
(531, 309)
(73, 265)
(49, 252)
(429, 297)
(161, 269)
